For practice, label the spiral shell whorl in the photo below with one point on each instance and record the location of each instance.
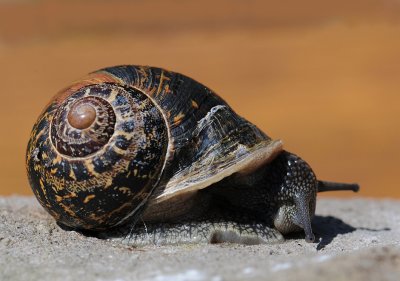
(98, 175)
(76, 142)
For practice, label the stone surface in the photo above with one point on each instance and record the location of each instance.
(358, 239)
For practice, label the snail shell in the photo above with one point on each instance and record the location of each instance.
(108, 142)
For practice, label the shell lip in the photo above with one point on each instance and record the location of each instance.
(261, 154)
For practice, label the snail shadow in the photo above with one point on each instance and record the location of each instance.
(117, 232)
(326, 228)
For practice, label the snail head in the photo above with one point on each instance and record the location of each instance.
(297, 195)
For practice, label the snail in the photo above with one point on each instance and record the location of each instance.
(129, 144)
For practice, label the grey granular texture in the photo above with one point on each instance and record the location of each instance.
(357, 240)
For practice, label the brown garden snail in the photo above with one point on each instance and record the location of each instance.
(133, 143)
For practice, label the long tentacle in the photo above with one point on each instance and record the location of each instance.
(336, 186)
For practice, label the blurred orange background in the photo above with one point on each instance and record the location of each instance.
(323, 76)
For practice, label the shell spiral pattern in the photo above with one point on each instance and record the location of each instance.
(70, 138)
(105, 152)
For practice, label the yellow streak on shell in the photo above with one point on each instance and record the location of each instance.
(42, 187)
(88, 198)
(71, 195)
(195, 105)
(57, 159)
(67, 209)
(103, 218)
(90, 167)
(125, 190)
(72, 173)
(178, 118)
(160, 85)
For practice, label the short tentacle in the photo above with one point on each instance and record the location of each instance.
(303, 216)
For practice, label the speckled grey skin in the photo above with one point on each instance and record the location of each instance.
(197, 233)
(355, 239)
(282, 194)
(278, 198)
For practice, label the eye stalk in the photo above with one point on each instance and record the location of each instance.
(336, 186)
(298, 194)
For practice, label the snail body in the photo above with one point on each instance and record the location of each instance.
(130, 142)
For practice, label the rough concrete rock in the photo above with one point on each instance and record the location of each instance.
(358, 239)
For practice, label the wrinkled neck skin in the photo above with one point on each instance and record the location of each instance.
(283, 193)
(297, 195)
